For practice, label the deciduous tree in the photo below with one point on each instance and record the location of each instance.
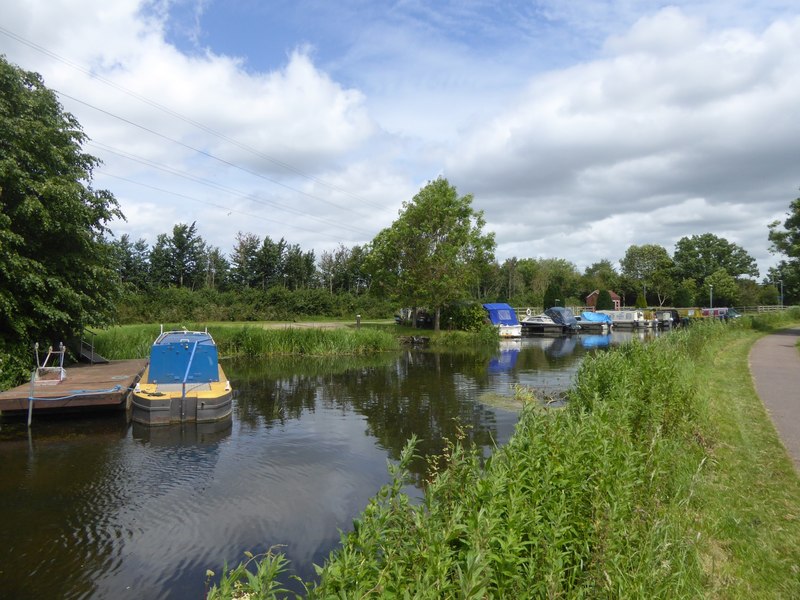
(699, 256)
(430, 254)
(56, 268)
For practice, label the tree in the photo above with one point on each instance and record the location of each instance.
(648, 267)
(217, 268)
(604, 301)
(725, 291)
(600, 276)
(271, 263)
(188, 256)
(430, 255)
(553, 296)
(56, 268)
(133, 262)
(699, 256)
(244, 260)
(786, 241)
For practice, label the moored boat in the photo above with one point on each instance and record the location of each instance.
(626, 318)
(594, 322)
(503, 317)
(555, 320)
(183, 382)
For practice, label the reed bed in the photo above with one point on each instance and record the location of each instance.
(134, 341)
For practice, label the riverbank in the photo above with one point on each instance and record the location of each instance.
(660, 479)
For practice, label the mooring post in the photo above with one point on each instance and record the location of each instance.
(30, 399)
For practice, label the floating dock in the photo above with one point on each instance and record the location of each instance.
(85, 387)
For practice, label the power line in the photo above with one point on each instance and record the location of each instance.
(105, 173)
(182, 117)
(221, 187)
(197, 150)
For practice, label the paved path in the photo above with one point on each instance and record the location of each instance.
(775, 367)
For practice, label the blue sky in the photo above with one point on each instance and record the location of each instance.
(579, 127)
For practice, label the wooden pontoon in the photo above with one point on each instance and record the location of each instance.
(83, 387)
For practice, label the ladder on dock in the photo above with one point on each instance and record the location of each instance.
(86, 351)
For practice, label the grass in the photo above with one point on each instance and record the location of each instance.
(661, 478)
(134, 341)
(748, 505)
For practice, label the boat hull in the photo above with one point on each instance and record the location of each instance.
(158, 404)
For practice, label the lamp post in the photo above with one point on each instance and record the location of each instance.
(710, 296)
(781, 280)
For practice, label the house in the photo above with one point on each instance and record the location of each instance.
(591, 299)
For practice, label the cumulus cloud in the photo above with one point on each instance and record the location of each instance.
(672, 114)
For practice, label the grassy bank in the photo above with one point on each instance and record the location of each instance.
(134, 341)
(661, 478)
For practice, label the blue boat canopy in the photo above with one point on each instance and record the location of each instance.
(183, 356)
(593, 317)
(501, 314)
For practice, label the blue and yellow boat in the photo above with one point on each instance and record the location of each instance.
(183, 382)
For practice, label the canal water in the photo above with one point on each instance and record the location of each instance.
(102, 508)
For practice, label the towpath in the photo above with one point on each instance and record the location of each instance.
(775, 367)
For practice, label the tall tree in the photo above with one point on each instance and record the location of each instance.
(786, 241)
(133, 262)
(244, 260)
(720, 288)
(430, 254)
(647, 267)
(188, 256)
(699, 256)
(56, 269)
(217, 268)
(271, 263)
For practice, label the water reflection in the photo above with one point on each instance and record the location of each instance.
(97, 508)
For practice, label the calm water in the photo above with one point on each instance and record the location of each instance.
(100, 508)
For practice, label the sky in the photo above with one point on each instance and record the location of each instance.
(580, 128)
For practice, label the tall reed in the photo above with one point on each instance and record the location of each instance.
(134, 341)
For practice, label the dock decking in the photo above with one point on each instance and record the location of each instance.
(85, 387)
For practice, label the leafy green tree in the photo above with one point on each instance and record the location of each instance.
(271, 263)
(188, 256)
(786, 241)
(217, 268)
(699, 256)
(725, 291)
(430, 255)
(161, 262)
(56, 268)
(553, 296)
(648, 267)
(133, 262)
(685, 293)
(604, 301)
(600, 276)
(244, 261)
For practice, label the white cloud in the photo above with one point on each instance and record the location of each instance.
(674, 112)
(650, 124)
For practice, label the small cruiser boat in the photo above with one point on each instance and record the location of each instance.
(183, 382)
(555, 320)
